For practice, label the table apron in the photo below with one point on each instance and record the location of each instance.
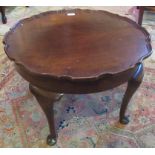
(48, 83)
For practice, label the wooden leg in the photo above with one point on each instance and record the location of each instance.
(2, 10)
(133, 84)
(141, 12)
(46, 100)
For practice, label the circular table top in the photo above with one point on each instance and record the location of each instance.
(77, 44)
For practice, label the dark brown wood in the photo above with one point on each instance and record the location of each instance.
(133, 85)
(67, 43)
(141, 12)
(77, 52)
(2, 10)
(46, 100)
(108, 81)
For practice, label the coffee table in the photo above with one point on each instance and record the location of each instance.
(77, 52)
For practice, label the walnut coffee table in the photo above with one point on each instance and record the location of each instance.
(77, 52)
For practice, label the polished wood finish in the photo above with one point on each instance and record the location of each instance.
(78, 51)
(70, 44)
(46, 100)
(133, 84)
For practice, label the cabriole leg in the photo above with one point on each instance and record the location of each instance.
(46, 100)
(133, 85)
